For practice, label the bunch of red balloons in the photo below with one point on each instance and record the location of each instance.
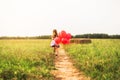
(63, 38)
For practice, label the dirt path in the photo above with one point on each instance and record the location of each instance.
(65, 69)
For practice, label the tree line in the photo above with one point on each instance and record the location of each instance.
(27, 37)
(97, 35)
(94, 36)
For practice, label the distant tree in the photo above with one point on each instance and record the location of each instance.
(97, 35)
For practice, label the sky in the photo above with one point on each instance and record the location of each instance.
(40, 17)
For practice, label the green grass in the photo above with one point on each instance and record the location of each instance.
(100, 59)
(26, 60)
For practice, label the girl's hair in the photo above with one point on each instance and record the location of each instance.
(55, 34)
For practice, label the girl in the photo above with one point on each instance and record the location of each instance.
(53, 43)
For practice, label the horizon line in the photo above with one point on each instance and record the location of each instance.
(51, 34)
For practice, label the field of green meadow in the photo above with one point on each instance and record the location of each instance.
(100, 59)
(26, 60)
(33, 59)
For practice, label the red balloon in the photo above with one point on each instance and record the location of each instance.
(68, 36)
(68, 41)
(57, 40)
(64, 40)
(62, 34)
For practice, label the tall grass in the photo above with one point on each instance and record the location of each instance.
(26, 60)
(100, 60)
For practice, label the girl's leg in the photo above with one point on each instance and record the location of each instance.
(54, 50)
(57, 51)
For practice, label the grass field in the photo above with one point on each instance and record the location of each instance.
(100, 59)
(26, 60)
(34, 59)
